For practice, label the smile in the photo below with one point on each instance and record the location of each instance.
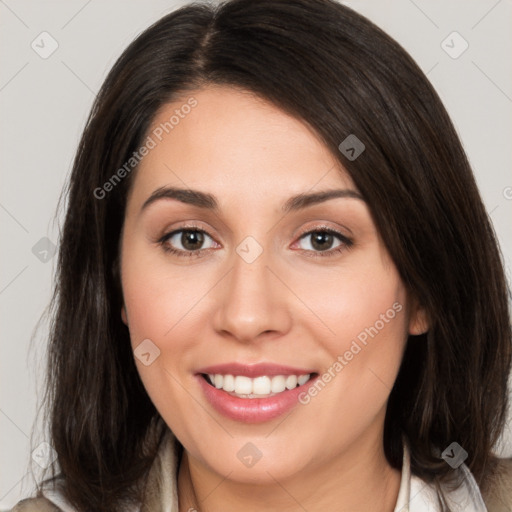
(253, 393)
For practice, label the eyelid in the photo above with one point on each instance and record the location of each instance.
(324, 227)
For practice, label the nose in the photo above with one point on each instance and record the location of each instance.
(252, 302)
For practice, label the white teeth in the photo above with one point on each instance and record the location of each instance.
(278, 384)
(303, 379)
(261, 386)
(291, 381)
(245, 387)
(219, 381)
(229, 383)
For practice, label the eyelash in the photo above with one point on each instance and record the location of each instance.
(346, 242)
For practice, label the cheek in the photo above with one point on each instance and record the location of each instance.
(362, 300)
(156, 295)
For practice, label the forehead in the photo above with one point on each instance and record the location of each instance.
(232, 142)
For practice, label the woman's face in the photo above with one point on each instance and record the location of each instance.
(262, 290)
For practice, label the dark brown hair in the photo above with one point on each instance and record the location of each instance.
(333, 69)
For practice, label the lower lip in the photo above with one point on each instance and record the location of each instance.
(252, 410)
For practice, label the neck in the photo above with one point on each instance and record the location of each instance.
(360, 479)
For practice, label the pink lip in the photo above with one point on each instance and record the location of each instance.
(252, 410)
(254, 370)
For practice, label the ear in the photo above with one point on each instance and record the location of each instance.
(418, 320)
(123, 315)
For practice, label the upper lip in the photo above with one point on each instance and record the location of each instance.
(254, 370)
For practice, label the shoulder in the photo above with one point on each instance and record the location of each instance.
(497, 486)
(35, 505)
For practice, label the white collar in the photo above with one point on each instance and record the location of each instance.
(415, 495)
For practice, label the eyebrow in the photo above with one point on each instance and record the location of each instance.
(209, 202)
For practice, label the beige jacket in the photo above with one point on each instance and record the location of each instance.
(414, 495)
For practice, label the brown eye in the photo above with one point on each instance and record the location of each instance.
(186, 241)
(192, 240)
(323, 240)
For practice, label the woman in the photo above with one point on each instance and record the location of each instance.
(278, 285)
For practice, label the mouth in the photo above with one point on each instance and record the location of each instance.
(254, 393)
(263, 386)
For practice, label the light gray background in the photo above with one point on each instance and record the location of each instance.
(44, 103)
